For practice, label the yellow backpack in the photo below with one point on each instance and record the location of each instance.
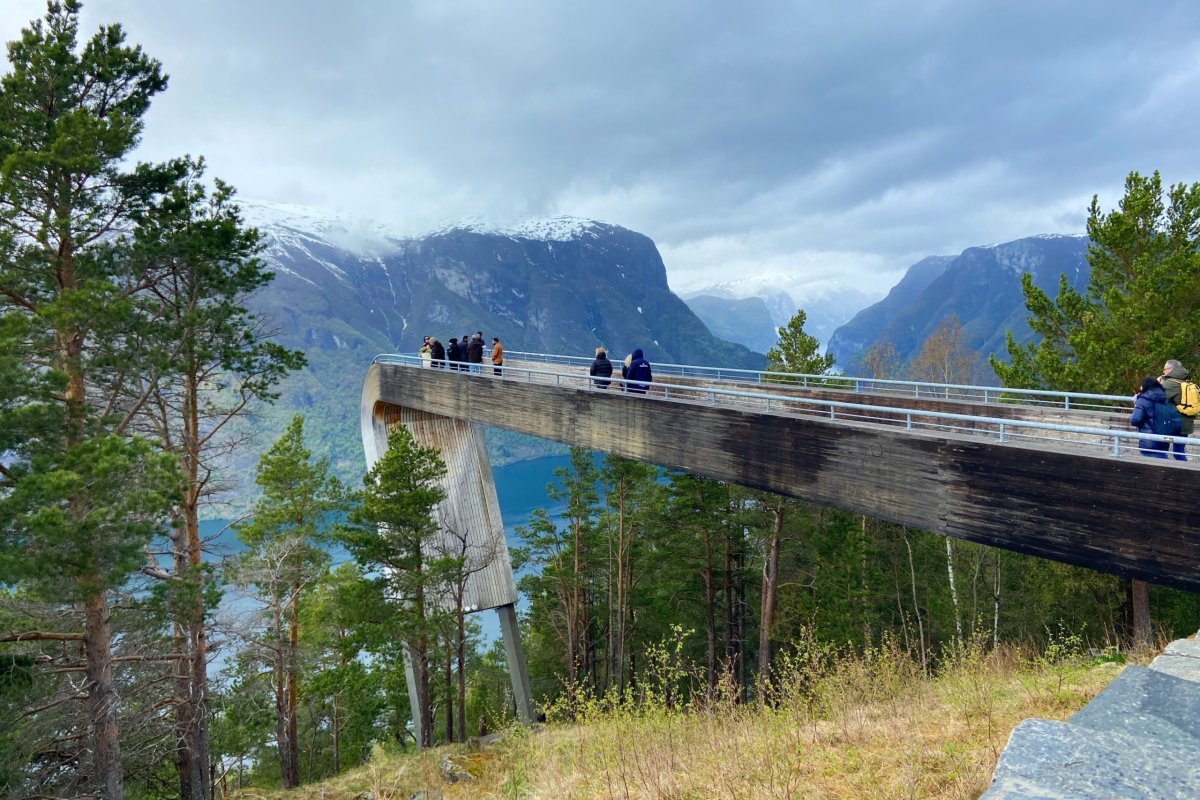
(1189, 399)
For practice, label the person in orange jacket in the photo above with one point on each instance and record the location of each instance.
(497, 355)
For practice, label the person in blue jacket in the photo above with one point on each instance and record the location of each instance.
(1149, 400)
(638, 374)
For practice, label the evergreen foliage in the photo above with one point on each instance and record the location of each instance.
(1142, 304)
(282, 562)
(393, 535)
(798, 352)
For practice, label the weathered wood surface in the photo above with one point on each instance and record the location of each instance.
(1125, 516)
(469, 522)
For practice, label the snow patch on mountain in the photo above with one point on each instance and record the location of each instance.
(368, 237)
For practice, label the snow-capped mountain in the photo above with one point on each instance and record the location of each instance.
(346, 289)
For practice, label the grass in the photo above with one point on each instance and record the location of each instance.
(837, 727)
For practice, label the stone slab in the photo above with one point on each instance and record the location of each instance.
(1015, 787)
(1146, 703)
(1048, 759)
(1180, 658)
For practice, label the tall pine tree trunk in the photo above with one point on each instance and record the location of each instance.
(196, 698)
(448, 690)
(102, 698)
(996, 605)
(462, 673)
(770, 585)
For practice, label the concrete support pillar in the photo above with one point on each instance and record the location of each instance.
(410, 678)
(518, 670)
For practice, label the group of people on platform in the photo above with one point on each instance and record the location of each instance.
(1167, 406)
(463, 355)
(635, 370)
(466, 355)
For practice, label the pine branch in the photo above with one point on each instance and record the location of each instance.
(42, 636)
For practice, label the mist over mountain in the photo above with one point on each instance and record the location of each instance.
(731, 310)
(981, 287)
(746, 321)
(345, 290)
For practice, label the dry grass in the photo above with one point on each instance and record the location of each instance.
(854, 728)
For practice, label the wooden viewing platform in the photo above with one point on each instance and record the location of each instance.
(1058, 499)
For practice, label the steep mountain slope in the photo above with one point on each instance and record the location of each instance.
(865, 328)
(345, 291)
(746, 321)
(981, 286)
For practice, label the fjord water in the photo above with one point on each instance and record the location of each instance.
(520, 488)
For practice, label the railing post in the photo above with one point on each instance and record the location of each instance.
(908, 422)
(1002, 433)
(832, 413)
(1066, 402)
(1116, 446)
(768, 404)
(985, 396)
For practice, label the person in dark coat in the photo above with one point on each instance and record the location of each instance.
(454, 354)
(601, 368)
(437, 354)
(638, 374)
(1174, 374)
(475, 352)
(1150, 400)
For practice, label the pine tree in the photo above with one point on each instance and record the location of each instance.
(75, 490)
(1141, 307)
(206, 360)
(282, 561)
(796, 351)
(568, 556)
(391, 533)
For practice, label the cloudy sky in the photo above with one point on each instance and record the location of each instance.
(817, 140)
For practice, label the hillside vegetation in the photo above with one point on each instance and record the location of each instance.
(838, 726)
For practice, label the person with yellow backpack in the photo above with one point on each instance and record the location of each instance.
(1185, 396)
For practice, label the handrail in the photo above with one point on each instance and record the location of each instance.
(1065, 400)
(1006, 429)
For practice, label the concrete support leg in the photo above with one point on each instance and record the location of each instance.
(518, 670)
(410, 678)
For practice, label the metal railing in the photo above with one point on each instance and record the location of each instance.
(1045, 398)
(1078, 438)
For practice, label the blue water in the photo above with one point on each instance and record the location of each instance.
(520, 488)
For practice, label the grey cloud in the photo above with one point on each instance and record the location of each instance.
(826, 139)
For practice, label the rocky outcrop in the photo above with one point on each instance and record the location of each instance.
(1139, 738)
